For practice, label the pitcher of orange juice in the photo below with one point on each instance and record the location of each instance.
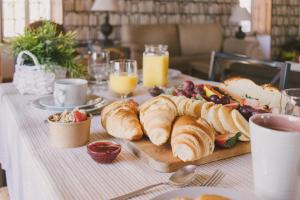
(155, 65)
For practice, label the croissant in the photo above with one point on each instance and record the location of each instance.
(187, 106)
(120, 119)
(192, 138)
(156, 116)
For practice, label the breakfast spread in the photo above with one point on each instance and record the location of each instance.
(192, 117)
(193, 125)
(120, 119)
(70, 117)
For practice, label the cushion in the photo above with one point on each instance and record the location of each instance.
(200, 38)
(139, 35)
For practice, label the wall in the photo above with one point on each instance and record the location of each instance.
(285, 22)
(77, 15)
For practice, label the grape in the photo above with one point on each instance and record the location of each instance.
(215, 99)
(199, 89)
(180, 92)
(188, 94)
(188, 86)
(246, 111)
(224, 100)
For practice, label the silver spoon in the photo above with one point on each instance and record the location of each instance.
(180, 178)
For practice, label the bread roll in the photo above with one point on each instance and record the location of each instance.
(157, 116)
(191, 139)
(120, 119)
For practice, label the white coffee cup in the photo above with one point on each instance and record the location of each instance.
(275, 146)
(70, 92)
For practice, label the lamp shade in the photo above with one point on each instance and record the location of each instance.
(239, 14)
(106, 5)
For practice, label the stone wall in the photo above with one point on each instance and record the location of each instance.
(285, 22)
(78, 17)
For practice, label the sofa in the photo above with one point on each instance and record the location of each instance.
(190, 45)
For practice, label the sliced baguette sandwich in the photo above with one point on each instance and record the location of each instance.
(246, 92)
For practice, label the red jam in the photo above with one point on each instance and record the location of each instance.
(104, 152)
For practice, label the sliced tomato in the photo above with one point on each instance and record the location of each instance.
(227, 140)
(80, 116)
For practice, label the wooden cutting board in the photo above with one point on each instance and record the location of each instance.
(161, 158)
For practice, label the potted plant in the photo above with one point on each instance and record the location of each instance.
(54, 50)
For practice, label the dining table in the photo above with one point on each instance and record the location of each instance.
(37, 170)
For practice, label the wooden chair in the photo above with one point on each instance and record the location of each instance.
(281, 76)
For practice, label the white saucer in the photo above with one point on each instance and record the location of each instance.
(48, 101)
(88, 107)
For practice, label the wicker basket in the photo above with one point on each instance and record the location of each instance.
(32, 79)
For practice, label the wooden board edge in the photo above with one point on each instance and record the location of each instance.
(154, 164)
(171, 167)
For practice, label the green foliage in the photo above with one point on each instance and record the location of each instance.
(50, 47)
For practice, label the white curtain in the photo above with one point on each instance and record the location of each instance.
(56, 11)
(261, 16)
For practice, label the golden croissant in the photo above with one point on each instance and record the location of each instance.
(157, 116)
(192, 138)
(187, 106)
(120, 119)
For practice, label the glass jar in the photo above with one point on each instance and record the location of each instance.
(155, 65)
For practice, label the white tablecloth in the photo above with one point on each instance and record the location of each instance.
(36, 170)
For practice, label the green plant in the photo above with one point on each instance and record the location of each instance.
(51, 48)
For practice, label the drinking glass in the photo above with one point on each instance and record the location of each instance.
(290, 102)
(99, 67)
(123, 76)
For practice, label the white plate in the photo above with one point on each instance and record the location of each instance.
(173, 73)
(48, 101)
(194, 192)
(36, 104)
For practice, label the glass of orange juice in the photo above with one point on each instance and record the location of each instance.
(155, 65)
(123, 76)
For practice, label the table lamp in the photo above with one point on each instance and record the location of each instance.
(239, 14)
(106, 28)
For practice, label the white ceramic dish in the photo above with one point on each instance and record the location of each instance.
(193, 192)
(88, 108)
(48, 101)
(173, 73)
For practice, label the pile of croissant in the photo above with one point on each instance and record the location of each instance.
(190, 124)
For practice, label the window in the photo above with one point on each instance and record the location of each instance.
(16, 14)
(246, 24)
